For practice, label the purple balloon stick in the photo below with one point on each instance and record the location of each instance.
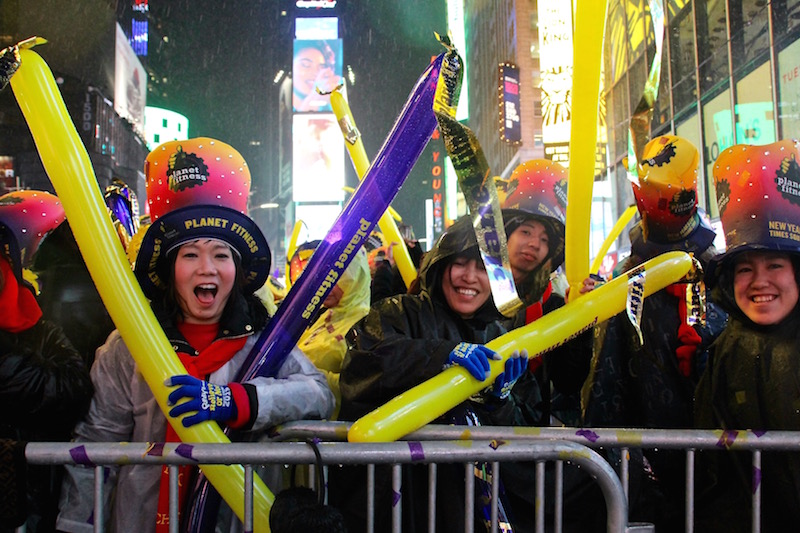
(375, 193)
(405, 143)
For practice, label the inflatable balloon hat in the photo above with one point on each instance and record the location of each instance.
(299, 260)
(124, 209)
(132, 249)
(503, 187)
(537, 190)
(758, 194)
(666, 193)
(198, 188)
(26, 217)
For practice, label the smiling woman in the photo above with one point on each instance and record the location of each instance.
(753, 367)
(408, 339)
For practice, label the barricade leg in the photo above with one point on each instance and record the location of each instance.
(432, 497)
(756, 491)
(469, 497)
(690, 491)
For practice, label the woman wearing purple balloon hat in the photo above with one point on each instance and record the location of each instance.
(752, 380)
(199, 264)
(44, 382)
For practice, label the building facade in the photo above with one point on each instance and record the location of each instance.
(730, 74)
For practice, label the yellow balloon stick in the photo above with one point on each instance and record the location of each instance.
(70, 170)
(587, 53)
(622, 221)
(355, 147)
(290, 251)
(418, 406)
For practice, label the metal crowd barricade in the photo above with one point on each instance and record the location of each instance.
(689, 440)
(430, 452)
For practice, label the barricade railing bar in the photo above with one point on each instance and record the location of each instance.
(98, 455)
(432, 452)
(624, 439)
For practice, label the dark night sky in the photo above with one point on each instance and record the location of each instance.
(222, 56)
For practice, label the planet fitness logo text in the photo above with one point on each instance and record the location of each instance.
(787, 179)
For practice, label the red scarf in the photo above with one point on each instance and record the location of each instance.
(534, 312)
(20, 309)
(687, 336)
(213, 355)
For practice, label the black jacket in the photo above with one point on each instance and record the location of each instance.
(404, 341)
(44, 390)
(752, 381)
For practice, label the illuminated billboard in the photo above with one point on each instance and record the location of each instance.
(316, 28)
(162, 125)
(318, 158)
(508, 92)
(555, 63)
(130, 83)
(317, 218)
(317, 63)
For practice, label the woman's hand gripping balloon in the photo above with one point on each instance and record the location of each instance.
(516, 364)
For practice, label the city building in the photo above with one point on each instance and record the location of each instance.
(103, 83)
(729, 75)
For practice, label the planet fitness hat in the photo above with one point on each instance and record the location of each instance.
(26, 217)
(758, 195)
(666, 194)
(539, 193)
(198, 189)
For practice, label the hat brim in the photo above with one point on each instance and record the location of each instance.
(720, 262)
(197, 222)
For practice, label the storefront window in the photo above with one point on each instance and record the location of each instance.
(637, 77)
(717, 136)
(785, 19)
(616, 52)
(621, 117)
(712, 38)
(662, 111)
(755, 122)
(690, 130)
(749, 31)
(636, 26)
(789, 91)
(682, 51)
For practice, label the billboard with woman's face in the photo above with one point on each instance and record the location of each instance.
(317, 63)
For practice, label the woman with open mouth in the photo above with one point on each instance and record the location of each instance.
(199, 263)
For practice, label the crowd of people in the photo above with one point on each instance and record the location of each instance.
(715, 351)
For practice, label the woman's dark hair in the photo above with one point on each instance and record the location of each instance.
(170, 307)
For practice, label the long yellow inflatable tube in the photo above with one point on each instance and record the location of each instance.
(431, 399)
(70, 170)
(587, 56)
(622, 221)
(290, 251)
(361, 163)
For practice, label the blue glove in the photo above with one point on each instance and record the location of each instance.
(212, 402)
(515, 367)
(473, 357)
